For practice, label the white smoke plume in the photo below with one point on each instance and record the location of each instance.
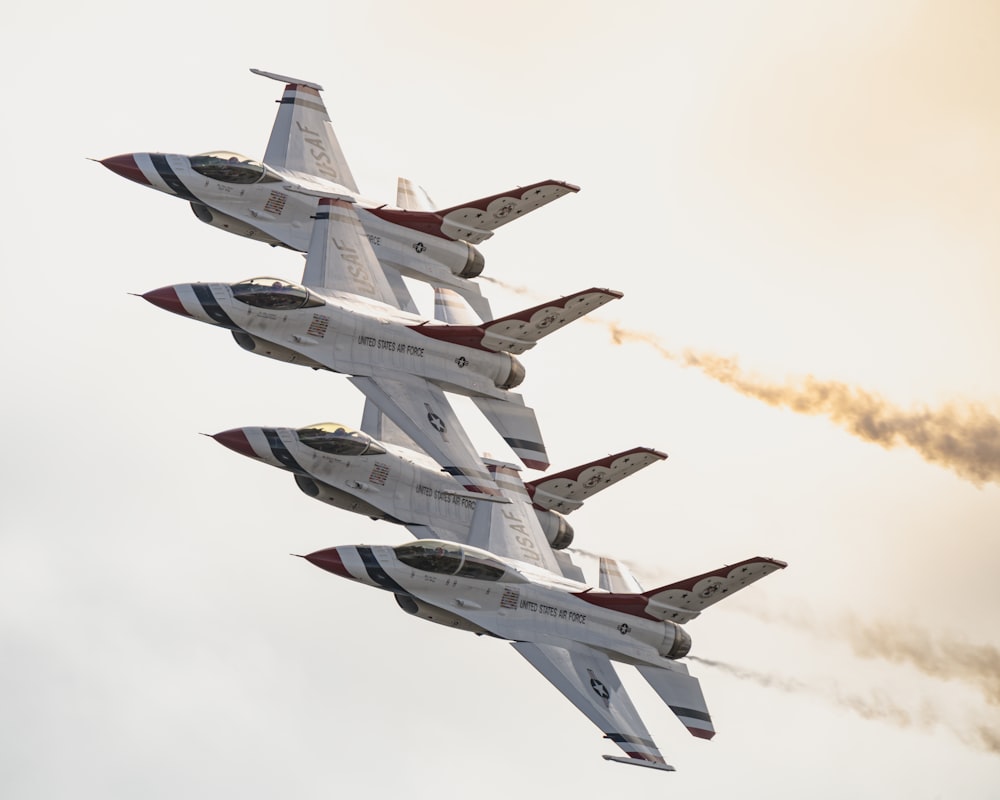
(963, 438)
(875, 706)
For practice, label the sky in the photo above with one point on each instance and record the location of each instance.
(798, 200)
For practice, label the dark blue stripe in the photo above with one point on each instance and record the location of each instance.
(623, 738)
(376, 573)
(525, 444)
(691, 712)
(282, 453)
(212, 307)
(170, 177)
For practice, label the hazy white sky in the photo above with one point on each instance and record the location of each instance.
(811, 189)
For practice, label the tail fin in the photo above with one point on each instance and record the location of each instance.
(565, 491)
(449, 307)
(475, 221)
(519, 332)
(302, 139)
(682, 601)
(411, 197)
(616, 577)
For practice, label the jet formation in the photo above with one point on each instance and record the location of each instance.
(492, 551)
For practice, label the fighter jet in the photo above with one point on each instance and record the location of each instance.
(346, 317)
(505, 582)
(264, 200)
(351, 470)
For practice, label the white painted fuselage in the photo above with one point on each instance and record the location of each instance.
(347, 333)
(505, 598)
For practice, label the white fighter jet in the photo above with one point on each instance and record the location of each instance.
(268, 201)
(506, 582)
(345, 317)
(351, 470)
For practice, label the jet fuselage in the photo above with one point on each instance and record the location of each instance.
(471, 589)
(341, 332)
(243, 197)
(350, 470)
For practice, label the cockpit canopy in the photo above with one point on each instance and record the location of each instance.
(339, 440)
(231, 168)
(448, 558)
(275, 294)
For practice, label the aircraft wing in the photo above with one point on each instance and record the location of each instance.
(421, 411)
(302, 139)
(341, 257)
(588, 679)
(565, 491)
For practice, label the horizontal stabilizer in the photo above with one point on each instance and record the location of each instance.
(518, 426)
(565, 491)
(519, 332)
(683, 601)
(682, 694)
(475, 221)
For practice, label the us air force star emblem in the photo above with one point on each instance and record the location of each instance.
(420, 247)
(436, 422)
(600, 688)
(462, 361)
(624, 628)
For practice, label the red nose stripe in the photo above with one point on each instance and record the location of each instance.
(166, 298)
(329, 560)
(126, 167)
(235, 439)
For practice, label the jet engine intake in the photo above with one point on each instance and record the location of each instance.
(338, 498)
(231, 224)
(271, 350)
(557, 529)
(514, 376)
(676, 641)
(418, 608)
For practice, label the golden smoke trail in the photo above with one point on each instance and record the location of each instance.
(876, 706)
(965, 439)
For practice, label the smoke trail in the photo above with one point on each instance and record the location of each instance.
(976, 665)
(965, 439)
(937, 656)
(877, 706)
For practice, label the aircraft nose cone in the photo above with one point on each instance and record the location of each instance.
(166, 298)
(329, 560)
(125, 166)
(236, 440)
